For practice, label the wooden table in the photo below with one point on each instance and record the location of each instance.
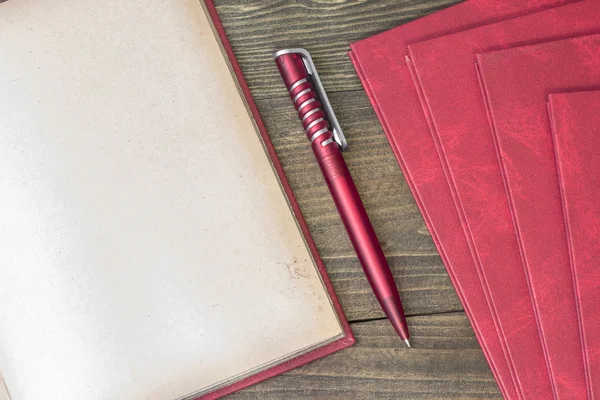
(445, 361)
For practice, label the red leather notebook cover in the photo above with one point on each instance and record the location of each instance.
(575, 119)
(379, 62)
(516, 83)
(348, 340)
(445, 68)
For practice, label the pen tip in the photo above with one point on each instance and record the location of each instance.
(407, 342)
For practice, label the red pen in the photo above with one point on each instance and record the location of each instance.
(318, 119)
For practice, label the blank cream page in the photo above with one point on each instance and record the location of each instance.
(146, 248)
(3, 392)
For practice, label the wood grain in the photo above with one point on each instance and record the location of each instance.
(445, 361)
(326, 28)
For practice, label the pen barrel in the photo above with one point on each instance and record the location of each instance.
(362, 235)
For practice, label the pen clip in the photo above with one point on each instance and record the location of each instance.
(338, 135)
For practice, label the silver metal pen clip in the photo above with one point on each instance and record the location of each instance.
(338, 135)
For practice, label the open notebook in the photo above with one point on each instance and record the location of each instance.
(147, 250)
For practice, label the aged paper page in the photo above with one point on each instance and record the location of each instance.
(146, 249)
(3, 392)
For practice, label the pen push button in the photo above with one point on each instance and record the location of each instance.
(305, 98)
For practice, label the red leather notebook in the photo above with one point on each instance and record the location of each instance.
(575, 120)
(379, 62)
(445, 67)
(516, 83)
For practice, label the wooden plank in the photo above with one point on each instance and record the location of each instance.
(423, 283)
(445, 363)
(257, 28)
